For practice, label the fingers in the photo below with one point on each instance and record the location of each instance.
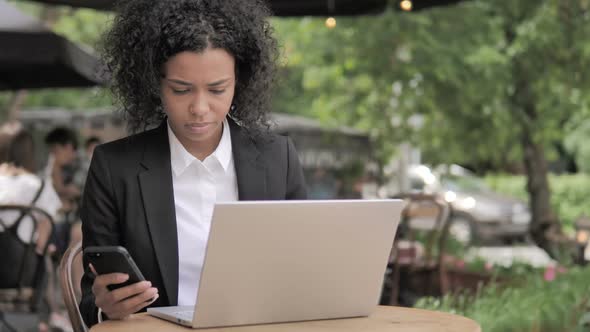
(124, 301)
(101, 282)
(145, 303)
(130, 305)
(137, 302)
(131, 290)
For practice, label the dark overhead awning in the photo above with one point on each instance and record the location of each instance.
(32, 56)
(327, 7)
(279, 7)
(417, 5)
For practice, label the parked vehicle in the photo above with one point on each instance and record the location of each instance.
(479, 214)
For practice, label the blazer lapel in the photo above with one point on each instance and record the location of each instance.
(250, 172)
(158, 201)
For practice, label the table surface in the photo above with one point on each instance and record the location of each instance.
(384, 318)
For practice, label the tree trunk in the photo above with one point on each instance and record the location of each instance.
(545, 228)
(544, 223)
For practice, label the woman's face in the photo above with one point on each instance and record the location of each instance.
(197, 90)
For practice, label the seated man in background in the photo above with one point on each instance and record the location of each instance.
(60, 172)
(62, 144)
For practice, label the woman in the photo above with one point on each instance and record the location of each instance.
(20, 186)
(201, 72)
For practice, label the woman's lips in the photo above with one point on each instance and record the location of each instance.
(198, 128)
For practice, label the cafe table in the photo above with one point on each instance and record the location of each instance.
(384, 318)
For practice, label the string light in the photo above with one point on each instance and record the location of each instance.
(331, 23)
(406, 5)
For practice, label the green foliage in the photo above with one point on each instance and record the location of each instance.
(83, 26)
(74, 99)
(511, 185)
(569, 194)
(536, 306)
(575, 142)
(443, 85)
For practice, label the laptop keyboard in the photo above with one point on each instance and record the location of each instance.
(184, 314)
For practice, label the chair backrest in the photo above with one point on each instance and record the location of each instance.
(23, 289)
(67, 279)
(433, 214)
(433, 209)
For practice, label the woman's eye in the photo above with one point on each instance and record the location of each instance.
(180, 91)
(217, 92)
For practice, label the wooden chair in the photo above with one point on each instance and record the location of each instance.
(67, 279)
(424, 264)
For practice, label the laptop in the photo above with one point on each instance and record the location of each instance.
(289, 261)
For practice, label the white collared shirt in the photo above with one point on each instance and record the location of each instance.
(197, 186)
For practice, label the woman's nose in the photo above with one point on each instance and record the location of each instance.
(199, 105)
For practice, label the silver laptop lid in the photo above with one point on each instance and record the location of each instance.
(284, 261)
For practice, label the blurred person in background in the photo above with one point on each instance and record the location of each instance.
(323, 185)
(19, 185)
(62, 143)
(61, 172)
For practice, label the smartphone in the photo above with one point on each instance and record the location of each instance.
(113, 259)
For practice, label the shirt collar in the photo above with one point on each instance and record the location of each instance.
(180, 158)
(224, 149)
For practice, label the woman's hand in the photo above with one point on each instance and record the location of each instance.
(124, 301)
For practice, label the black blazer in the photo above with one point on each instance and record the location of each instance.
(129, 201)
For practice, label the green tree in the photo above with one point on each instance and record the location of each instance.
(486, 81)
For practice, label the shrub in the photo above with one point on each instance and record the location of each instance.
(569, 194)
(538, 306)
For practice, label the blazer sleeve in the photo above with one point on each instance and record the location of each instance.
(100, 224)
(296, 188)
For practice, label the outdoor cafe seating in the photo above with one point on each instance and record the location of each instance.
(24, 279)
(421, 262)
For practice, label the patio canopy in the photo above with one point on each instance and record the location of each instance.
(32, 56)
(279, 7)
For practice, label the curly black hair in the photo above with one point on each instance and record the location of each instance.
(146, 33)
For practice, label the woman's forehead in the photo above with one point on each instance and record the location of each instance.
(212, 63)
